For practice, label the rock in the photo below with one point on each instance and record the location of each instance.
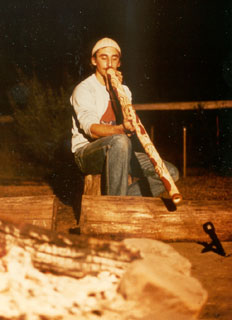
(151, 248)
(161, 284)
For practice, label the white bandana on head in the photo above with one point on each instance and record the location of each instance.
(105, 42)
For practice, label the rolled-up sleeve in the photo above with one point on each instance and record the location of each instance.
(84, 106)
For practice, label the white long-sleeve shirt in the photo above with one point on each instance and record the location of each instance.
(90, 100)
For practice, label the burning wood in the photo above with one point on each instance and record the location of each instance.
(44, 275)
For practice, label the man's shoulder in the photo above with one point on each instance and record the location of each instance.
(88, 84)
(89, 81)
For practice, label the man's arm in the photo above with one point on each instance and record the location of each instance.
(104, 130)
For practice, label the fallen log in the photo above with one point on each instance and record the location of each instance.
(36, 210)
(122, 217)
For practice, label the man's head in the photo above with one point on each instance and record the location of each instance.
(106, 53)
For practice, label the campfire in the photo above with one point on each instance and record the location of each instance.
(44, 275)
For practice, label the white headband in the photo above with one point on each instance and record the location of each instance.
(105, 42)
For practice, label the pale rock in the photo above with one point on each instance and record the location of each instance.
(150, 247)
(161, 283)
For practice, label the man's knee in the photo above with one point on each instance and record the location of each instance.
(174, 172)
(122, 143)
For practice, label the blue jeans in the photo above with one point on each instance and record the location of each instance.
(114, 158)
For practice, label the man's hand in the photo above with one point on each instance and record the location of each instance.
(128, 127)
(119, 75)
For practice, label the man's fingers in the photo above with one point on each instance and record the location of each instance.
(128, 126)
(119, 75)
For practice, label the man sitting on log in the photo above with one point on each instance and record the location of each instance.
(103, 145)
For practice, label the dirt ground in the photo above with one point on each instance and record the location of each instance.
(213, 270)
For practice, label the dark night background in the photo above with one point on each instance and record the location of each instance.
(173, 50)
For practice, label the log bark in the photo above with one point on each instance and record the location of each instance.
(75, 256)
(36, 210)
(155, 218)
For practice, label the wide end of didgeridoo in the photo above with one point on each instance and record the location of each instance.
(176, 198)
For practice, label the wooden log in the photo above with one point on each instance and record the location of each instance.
(92, 184)
(75, 256)
(154, 218)
(36, 210)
